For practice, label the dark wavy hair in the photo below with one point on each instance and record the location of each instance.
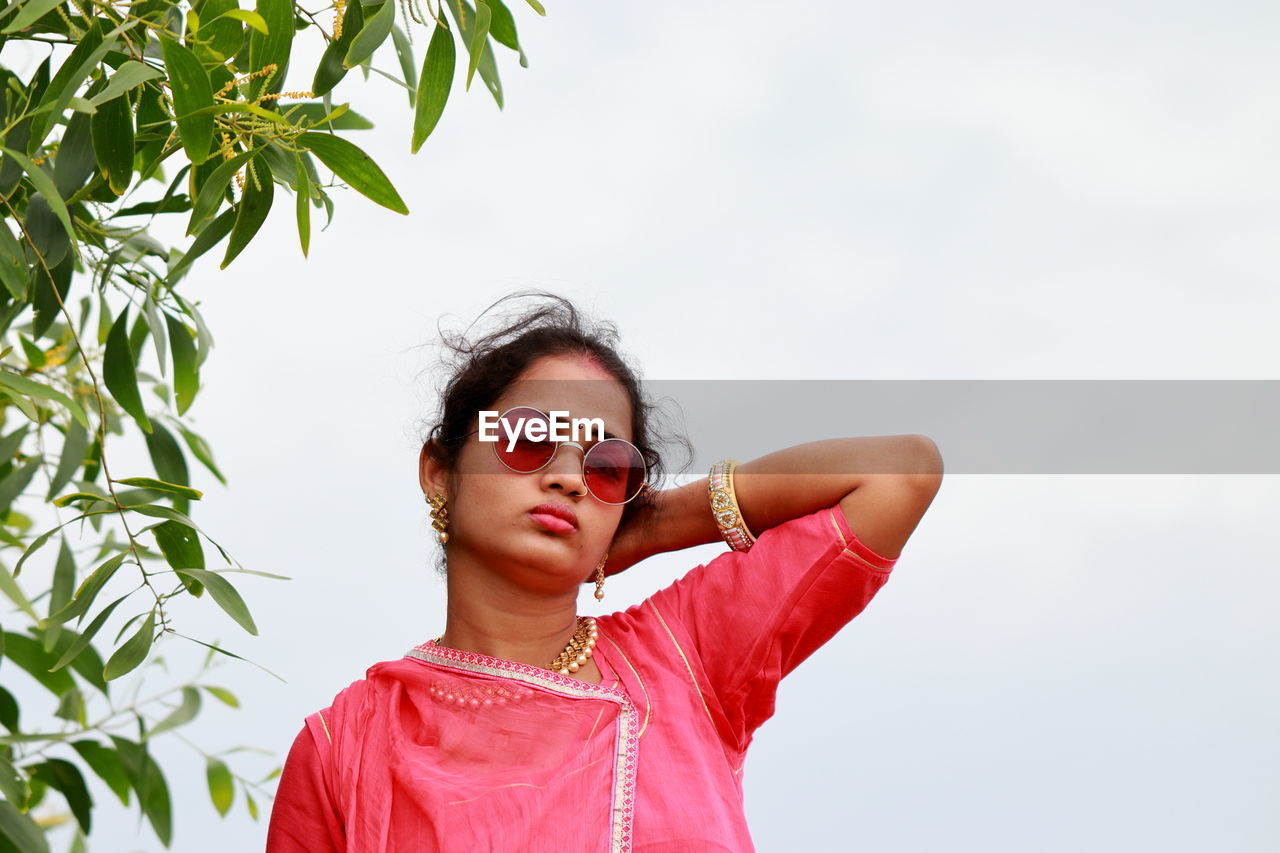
(533, 324)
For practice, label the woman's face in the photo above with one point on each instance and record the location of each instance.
(490, 507)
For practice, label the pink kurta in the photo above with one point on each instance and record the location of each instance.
(452, 751)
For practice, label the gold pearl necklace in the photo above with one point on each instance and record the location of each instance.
(581, 647)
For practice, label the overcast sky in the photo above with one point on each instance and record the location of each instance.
(915, 190)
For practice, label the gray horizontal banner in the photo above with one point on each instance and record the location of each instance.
(1003, 426)
(996, 426)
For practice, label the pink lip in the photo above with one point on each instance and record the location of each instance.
(556, 517)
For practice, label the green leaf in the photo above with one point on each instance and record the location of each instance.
(88, 664)
(186, 375)
(45, 186)
(88, 497)
(355, 167)
(64, 579)
(129, 75)
(31, 388)
(159, 331)
(105, 762)
(74, 161)
(158, 511)
(25, 406)
(434, 84)
(133, 652)
(9, 710)
(13, 784)
(21, 831)
(201, 450)
(465, 17)
(225, 595)
(253, 19)
(330, 70)
(252, 210)
(10, 443)
(28, 654)
(29, 13)
(36, 545)
(477, 43)
(35, 356)
(74, 445)
(71, 707)
(502, 28)
(404, 53)
(183, 714)
(82, 642)
(210, 235)
(221, 790)
(89, 50)
(13, 264)
(191, 91)
(119, 372)
(372, 35)
(162, 486)
(302, 209)
(179, 544)
(148, 781)
(223, 695)
(112, 127)
(65, 777)
(14, 593)
(341, 117)
(88, 590)
(45, 235)
(214, 188)
(219, 37)
(272, 48)
(223, 651)
(13, 484)
(251, 804)
(537, 7)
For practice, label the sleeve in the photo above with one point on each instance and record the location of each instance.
(754, 616)
(303, 817)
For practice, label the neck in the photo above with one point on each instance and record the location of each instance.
(489, 616)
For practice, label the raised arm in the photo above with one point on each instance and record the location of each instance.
(884, 485)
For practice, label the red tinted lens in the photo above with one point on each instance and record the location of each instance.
(523, 455)
(614, 470)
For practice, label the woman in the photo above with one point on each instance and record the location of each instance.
(525, 727)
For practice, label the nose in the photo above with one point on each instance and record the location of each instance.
(565, 470)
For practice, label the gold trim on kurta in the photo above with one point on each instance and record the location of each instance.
(832, 518)
(864, 561)
(689, 669)
(325, 726)
(647, 702)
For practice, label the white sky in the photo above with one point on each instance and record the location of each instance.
(827, 190)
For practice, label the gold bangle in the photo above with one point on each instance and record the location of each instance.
(724, 506)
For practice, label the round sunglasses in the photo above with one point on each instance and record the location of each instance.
(613, 469)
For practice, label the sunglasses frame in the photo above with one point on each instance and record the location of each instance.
(644, 467)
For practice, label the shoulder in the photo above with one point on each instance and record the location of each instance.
(358, 697)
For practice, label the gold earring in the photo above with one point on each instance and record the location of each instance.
(600, 577)
(439, 516)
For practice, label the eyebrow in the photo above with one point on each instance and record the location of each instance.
(607, 435)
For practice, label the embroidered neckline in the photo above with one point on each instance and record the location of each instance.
(456, 655)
